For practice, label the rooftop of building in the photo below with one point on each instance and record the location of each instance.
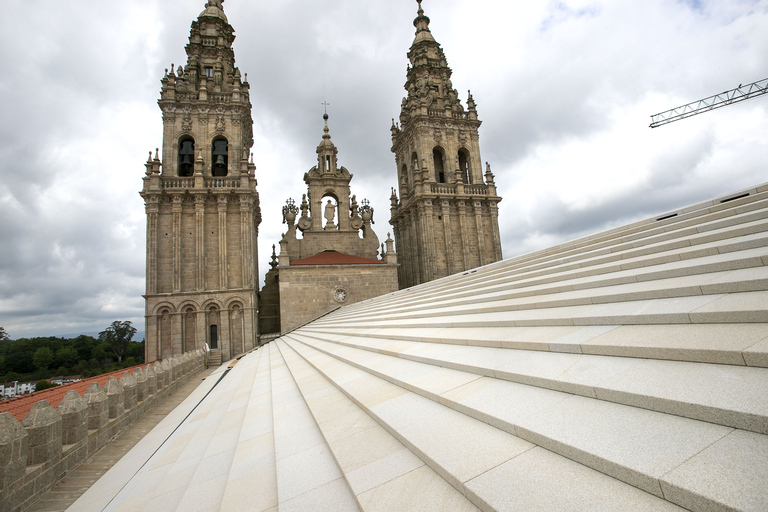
(331, 257)
(626, 370)
(21, 405)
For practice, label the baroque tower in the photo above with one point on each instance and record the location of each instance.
(446, 219)
(201, 203)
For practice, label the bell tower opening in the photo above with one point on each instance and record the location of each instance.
(220, 157)
(186, 156)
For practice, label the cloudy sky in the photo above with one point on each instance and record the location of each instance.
(565, 90)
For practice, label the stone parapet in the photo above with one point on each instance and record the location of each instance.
(74, 425)
(38, 451)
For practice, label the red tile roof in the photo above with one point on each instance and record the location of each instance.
(335, 258)
(21, 405)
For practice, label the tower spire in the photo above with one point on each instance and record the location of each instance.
(446, 220)
(422, 26)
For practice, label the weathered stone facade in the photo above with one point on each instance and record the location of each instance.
(202, 206)
(446, 219)
(305, 291)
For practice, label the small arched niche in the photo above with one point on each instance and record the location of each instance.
(213, 327)
(466, 176)
(437, 156)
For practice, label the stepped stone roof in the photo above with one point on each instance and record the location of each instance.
(331, 257)
(627, 370)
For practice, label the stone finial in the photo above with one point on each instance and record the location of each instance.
(391, 255)
(13, 450)
(128, 382)
(141, 384)
(168, 376)
(151, 381)
(114, 397)
(160, 372)
(43, 424)
(74, 417)
(98, 406)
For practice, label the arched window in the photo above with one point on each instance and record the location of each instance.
(220, 157)
(464, 165)
(213, 327)
(437, 156)
(404, 180)
(186, 160)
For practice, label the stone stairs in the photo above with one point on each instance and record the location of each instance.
(627, 370)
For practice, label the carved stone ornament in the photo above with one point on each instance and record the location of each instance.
(186, 121)
(340, 295)
(438, 135)
(220, 123)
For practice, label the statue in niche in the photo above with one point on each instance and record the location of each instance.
(330, 213)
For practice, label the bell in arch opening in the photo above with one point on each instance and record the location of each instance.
(220, 159)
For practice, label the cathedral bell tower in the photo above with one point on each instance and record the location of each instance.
(202, 206)
(446, 218)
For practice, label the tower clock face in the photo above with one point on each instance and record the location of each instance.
(340, 295)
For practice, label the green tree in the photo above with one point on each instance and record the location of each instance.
(118, 335)
(4, 335)
(67, 356)
(44, 384)
(43, 358)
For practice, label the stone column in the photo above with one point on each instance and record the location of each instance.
(152, 208)
(446, 214)
(222, 205)
(462, 208)
(176, 209)
(200, 241)
(74, 417)
(43, 426)
(477, 206)
(494, 209)
(246, 242)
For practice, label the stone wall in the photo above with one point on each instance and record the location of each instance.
(39, 451)
(307, 292)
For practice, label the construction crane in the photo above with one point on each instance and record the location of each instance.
(741, 93)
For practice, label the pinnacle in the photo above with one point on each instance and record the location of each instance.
(422, 26)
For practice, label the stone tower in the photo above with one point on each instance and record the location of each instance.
(446, 218)
(335, 261)
(202, 206)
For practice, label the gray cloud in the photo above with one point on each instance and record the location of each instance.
(559, 86)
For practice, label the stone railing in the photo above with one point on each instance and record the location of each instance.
(177, 183)
(222, 182)
(38, 451)
(470, 190)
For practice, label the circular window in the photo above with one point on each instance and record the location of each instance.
(340, 295)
